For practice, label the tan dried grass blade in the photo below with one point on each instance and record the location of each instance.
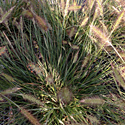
(6, 15)
(59, 59)
(122, 53)
(9, 41)
(29, 116)
(32, 84)
(116, 10)
(118, 53)
(21, 25)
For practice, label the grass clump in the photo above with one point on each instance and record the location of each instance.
(62, 62)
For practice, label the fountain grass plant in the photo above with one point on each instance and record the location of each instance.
(62, 62)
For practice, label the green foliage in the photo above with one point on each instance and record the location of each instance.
(62, 62)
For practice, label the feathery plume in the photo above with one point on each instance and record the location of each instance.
(29, 116)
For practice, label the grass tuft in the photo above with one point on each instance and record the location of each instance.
(62, 62)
